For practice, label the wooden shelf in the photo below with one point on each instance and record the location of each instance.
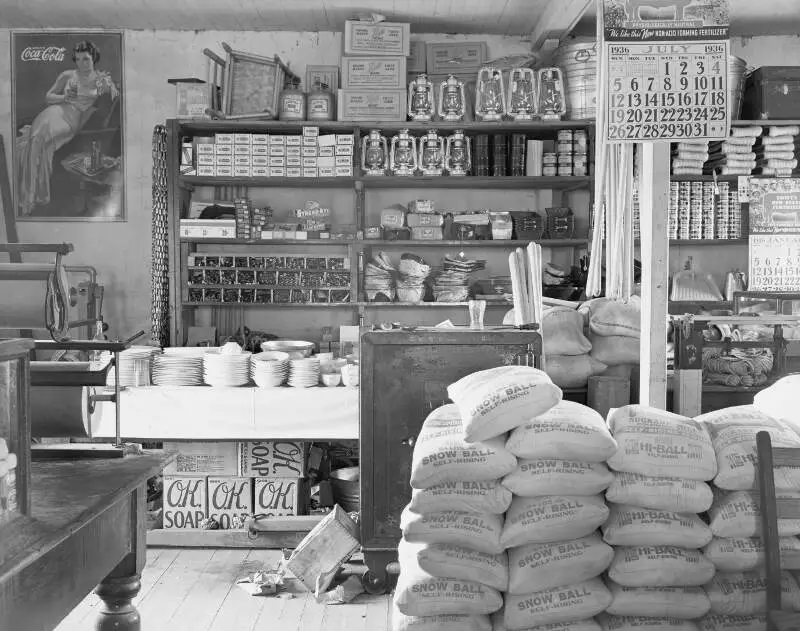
(291, 182)
(351, 305)
(765, 123)
(707, 242)
(427, 305)
(495, 243)
(472, 181)
(704, 178)
(330, 242)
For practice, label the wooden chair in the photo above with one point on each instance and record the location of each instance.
(771, 510)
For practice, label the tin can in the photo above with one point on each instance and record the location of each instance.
(565, 135)
(549, 159)
(549, 170)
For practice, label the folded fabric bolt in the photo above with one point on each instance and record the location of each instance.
(775, 155)
(691, 146)
(773, 172)
(778, 164)
(680, 164)
(687, 171)
(733, 162)
(753, 131)
(736, 140)
(788, 130)
(727, 147)
(735, 171)
(777, 140)
(696, 156)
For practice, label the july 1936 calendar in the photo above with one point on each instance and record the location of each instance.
(666, 63)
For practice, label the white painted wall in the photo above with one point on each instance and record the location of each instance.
(121, 251)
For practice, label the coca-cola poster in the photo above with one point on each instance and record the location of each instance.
(68, 123)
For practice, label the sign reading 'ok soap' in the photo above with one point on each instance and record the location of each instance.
(272, 458)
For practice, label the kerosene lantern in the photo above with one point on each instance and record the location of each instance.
(522, 94)
(458, 158)
(421, 104)
(403, 154)
(490, 96)
(374, 153)
(452, 103)
(552, 105)
(431, 153)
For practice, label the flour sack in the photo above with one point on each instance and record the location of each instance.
(587, 624)
(557, 477)
(478, 531)
(562, 332)
(716, 622)
(658, 443)
(569, 430)
(614, 350)
(562, 604)
(441, 622)
(573, 371)
(671, 494)
(636, 526)
(633, 623)
(737, 514)
(740, 554)
(538, 566)
(681, 603)
(495, 401)
(659, 566)
(442, 455)
(475, 497)
(745, 593)
(445, 560)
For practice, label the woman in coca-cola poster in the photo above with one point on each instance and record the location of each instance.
(68, 122)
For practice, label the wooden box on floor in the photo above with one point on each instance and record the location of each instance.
(320, 555)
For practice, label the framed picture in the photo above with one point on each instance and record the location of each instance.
(67, 91)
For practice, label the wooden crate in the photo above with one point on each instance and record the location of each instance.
(275, 458)
(230, 498)
(320, 555)
(185, 501)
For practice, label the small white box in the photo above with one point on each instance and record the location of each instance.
(242, 139)
(310, 162)
(294, 172)
(223, 150)
(277, 161)
(277, 150)
(224, 171)
(272, 458)
(223, 139)
(309, 152)
(259, 139)
(259, 171)
(309, 141)
(242, 161)
(205, 148)
(345, 139)
(326, 162)
(205, 159)
(186, 501)
(223, 161)
(259, 150)
(325, 152)
(294, 161)
(259, 161)
(206, 458)
(294, 151)
(241, 171)
(344, 150)
(206, 171)
(344, 171)
(326, 171)
(310, 172)
(277, 139)
(294, 141)
(275, 497)
(241, 150)
(277, 171)
(328, 140)
(230, 501)
(343, 161)
(310, 130)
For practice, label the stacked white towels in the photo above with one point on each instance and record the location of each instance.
(776, 151)
(734, 156)
(688, 157)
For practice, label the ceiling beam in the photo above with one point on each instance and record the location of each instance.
(557, 21)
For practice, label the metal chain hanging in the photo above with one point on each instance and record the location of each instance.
(160, 252)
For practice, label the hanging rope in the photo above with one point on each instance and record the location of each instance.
(160, 246)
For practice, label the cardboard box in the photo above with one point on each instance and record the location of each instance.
(276, 497)
(241, 171)
(374, 73)
(326, 171)
(242, 161)
(277, 139)
(206, 171)
(259, 139)
(259, 171)
(382, 38)
(294, 151)
(277, 150)
(272, 458)
(241, 150)
(345, 139)
(208, 228)
(344, 150)
(310, 131)
(328, 140)
(295, 171)
(343, 161)
(259, 161)
(205, 148)
(223, 171)
(294, 161)
(294, 141)
(277, 161)
(206, 458)
(242, 139)
(224, 161)
(230, 500)
(259, 150)
(223, 139)
(327, 75)
(325, 152)
(310, 172)
(326, 162)
(344, 171)
(455, 58)
(223, 150)
(310, 141)
(185, 501)
(309, 152)
(277, 171)
(417, 59)
(205, 159)
(310, 162)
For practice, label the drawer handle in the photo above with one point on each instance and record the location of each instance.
(408, 441)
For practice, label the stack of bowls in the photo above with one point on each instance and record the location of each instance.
(304, 373)
(226, 369)
(270, 368)
(295, 348)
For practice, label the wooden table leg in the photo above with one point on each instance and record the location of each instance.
(121, 586)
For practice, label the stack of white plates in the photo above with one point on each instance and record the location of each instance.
(177, 370)
(304, 373)
(226, 369)
(270, 368)
(134, 366)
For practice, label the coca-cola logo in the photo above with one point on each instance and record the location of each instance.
(43, 53)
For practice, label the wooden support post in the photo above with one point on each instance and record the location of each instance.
(654, 206)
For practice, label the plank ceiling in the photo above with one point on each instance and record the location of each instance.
(500, 17)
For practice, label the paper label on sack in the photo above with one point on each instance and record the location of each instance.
(666, 65)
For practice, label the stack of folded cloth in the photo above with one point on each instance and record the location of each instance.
(688, 157)
(776, 151)
(735, 155)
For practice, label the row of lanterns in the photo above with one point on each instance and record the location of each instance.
(434, 155)
(528, 94)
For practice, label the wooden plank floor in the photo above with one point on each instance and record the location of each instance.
(194, 589)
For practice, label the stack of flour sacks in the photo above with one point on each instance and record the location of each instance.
(661, 468)
(738, 595)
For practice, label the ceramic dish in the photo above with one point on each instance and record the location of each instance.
(296, 349)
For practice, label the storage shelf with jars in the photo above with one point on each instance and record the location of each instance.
(355, 198)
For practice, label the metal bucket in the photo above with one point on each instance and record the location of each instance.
(737, 73)
(578, 62)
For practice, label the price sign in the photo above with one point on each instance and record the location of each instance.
(774, 262)
(667, 67)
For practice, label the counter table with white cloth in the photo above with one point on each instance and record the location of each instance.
(200, 413)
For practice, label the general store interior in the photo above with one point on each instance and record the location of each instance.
(391, 295)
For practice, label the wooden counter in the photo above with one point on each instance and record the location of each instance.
(86, 526)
